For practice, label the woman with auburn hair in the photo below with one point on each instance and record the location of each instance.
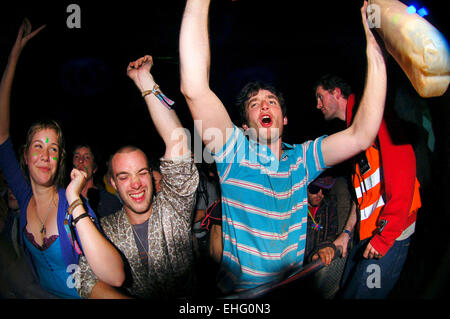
(56, 225)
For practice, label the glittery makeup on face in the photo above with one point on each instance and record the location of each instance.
(46, 140)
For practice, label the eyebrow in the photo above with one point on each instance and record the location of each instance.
(270, 96)
(53, 143)
(127, 173)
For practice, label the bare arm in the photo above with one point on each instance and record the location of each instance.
(23, 36)
(206, 108)
(101, 255)
(361, 134)
(105, 291)
(165, 120)
(343, 238)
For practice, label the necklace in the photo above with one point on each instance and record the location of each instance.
(316, 226)
(140, 241)
(43, 230)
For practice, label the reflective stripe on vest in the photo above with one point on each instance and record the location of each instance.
(369, 190)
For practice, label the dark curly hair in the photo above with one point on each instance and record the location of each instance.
(250, 90)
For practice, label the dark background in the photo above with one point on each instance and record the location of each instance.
(78, 77)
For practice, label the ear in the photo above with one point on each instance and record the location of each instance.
(285, 120)
(337, 92)
(113, 184)
(25, 157)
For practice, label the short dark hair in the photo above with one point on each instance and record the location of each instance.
(250, 90)
(329, 82)
(125, 149)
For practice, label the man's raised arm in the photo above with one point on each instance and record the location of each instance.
(164, 118)
(361, 134)
(206, 108)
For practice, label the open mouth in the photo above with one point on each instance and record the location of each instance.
(266, 120)
(138, 197)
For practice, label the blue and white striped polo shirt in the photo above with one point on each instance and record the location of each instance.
(264, 208)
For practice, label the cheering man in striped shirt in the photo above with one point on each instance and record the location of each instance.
(263, 180)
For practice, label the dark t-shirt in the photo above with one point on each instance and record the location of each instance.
(141, 238)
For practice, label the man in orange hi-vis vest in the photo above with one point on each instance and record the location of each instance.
(387, 198)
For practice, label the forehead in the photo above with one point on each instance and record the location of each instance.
(129, 162)
(83, 150)
(46, 135)
(261, 94)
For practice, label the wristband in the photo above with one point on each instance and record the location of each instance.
(74, 204)
(76, 220)
(349, 233)
(157, 92)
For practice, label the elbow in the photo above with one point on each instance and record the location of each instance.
(192, 91)
(117, 280)
(366, 143)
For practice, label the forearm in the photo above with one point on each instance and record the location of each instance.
(5, 95)
(340, 146)
(166, 123)
(352, 219)
(370, 113)
(194, 49)
(102, 257)
(105, 291)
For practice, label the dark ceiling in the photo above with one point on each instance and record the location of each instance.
(78, 76)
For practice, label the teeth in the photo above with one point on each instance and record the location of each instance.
(137, 195)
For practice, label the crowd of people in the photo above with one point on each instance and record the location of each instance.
(176, 229)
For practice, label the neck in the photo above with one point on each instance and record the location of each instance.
(137, 219)
(342, 114)
(276, 148)
(43, 193)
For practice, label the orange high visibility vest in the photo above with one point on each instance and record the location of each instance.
(369, 190)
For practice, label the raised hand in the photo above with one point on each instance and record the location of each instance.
(24, 35)
(372, 43)
(139, 72)
(78, 180)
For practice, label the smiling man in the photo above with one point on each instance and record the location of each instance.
(264, 180)
(152, 231)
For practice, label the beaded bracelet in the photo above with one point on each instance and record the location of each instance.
(157, 92)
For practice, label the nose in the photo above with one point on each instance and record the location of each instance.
(264, 105)
(45, 156)
(135, 182)
(319, 104)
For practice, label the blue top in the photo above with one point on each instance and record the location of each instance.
(264, 208)
(52, 271)
(21, 189)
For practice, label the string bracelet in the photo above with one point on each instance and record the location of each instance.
(75, 221)
(74, 204)
(157, 92)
